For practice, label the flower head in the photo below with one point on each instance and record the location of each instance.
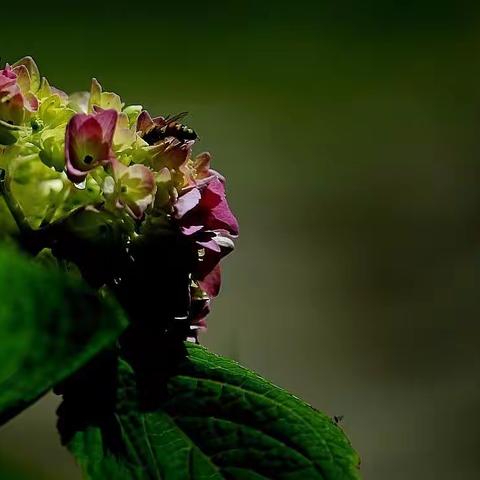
(143, 194)
(88, 142)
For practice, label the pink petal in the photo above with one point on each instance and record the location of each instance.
(210, 245)
(75, 175)
(90, 130)
(77, 121)
(8, 72)
(187, 202)
(211, 283)
(219, 214)
(210, 262)
(31, 103)
(6, 81)
(107, 120)
(144, 121)
(190, 230)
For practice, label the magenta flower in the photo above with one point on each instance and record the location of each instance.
(203, 215)
(88, 142)
(205, 208)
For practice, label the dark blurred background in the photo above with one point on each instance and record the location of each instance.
(349, 135)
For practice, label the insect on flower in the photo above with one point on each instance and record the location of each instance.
(169, 126)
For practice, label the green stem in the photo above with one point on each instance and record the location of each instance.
(13, 205)
(31, 240)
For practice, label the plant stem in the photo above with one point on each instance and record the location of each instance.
(13, 205)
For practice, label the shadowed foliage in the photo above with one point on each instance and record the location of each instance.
(208, 418)
(50, 325)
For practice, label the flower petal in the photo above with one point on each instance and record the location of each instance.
(144, 122)
(134, 188)
(107, 120)
(211, 283)
(170, 153)
(88, 142)
(187, 202)
(213, 211)
(33, 72)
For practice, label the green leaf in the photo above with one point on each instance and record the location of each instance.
(50, 325)
(213, 420)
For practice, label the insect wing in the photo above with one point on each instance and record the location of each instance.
(175, 118)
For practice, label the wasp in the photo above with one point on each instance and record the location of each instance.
(169, 127)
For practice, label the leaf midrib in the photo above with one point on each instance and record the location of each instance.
(189, 441)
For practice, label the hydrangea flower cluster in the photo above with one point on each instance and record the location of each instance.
(86, 173)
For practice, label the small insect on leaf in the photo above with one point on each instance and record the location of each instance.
(338, 419)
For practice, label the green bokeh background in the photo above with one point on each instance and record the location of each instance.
(349, 135)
